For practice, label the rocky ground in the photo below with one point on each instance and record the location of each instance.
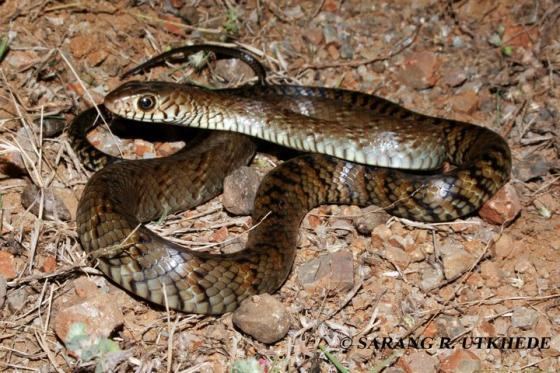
(360, 276)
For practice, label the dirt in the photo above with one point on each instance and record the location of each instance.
(495, 63)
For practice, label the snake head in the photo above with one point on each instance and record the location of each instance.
(143, 101)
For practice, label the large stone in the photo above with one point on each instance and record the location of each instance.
(263, 317)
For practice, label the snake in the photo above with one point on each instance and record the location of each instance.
(358, 149)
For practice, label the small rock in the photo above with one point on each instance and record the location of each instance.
(454, 77)
(464, 102)
(98, 312)
(141, 148)
(524, 318)
(346, 50)
(11, 165)
(49, 264)
(419, 251)
(17, 299)
(81, 45)
(84, 287)
(369, 218)
(405, 243)
(52, 126)
(495, 40)
(491, 273)
(263, 317)
(219, 235)
(554, 349)
(97, 57)
(458, 42)
(379, 235)
(430, 278)
(455, 260)
(7, 265)
(419, 361)
(342, 227)
(547, 205)
(331, 271)
(503, 208)
(240, 189)
(330, 34)
(233, 69)
(419, 70)
(294, 12)
(314, 36)
(449, 326)
(462, 361)
(57, 202)
(397, 256)
(3, 290)
(532, 167)
(503, 246)
(331, 5)
(333, 51)
(523, 265)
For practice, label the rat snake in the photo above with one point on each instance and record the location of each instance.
(397, 156)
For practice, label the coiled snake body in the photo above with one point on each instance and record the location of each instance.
(358, 127)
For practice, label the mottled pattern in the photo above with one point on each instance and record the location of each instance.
(124, 194)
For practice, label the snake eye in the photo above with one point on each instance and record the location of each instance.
(146, 102)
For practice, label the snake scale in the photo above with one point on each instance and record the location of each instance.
(375, 152)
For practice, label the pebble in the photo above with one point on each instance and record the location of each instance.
(262, 317)
(523, 265)
(7, 265)
(461, 361)
(52, 127)
(430, 278)
(346, 50)
(405, 243)
(495, 40)
(369, 218)
(94, 308)
(503, 208)
(379, 235)
(330, 34)
(491, 273)
(49, 264)
(233, 69)
(464, 102)
(17, 299)
(11, 165)
(420, 361)
(419, 70)
(314, 36)
(397, 256)
(342, 227)
(503, 246)
(524, 318)
(455, 259)
(294, 12)
(554, 349)
(547, 205)
(532, 167)
(97, 57)
(330, 271)
(458, 42)
(454, 77)
(81, 45)
(54, 206)
(3, 290)
(240, 189)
